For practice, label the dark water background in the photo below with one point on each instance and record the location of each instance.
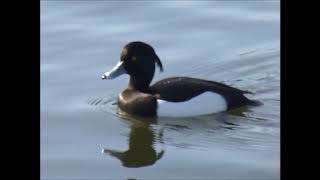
(235, 42)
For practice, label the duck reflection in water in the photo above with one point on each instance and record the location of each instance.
(143, 137)
(141, 150)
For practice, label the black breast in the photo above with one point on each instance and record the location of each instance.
(138, 103)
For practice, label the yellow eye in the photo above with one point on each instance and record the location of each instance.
(134, 59)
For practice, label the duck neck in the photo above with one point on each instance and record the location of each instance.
(139, 84)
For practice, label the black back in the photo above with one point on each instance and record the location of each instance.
(179, 89)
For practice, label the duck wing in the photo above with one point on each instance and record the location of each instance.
(179, 89)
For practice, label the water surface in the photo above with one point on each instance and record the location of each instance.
(235, 42)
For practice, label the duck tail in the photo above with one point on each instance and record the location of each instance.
(247, 92)
(254, 103)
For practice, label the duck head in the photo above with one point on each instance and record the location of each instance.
(138, 60)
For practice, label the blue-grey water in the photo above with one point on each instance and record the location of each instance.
(235, 42)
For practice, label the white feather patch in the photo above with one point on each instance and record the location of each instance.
(205, 103)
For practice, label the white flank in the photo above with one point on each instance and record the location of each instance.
(205, 103)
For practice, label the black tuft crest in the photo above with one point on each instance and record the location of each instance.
(158, 62)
